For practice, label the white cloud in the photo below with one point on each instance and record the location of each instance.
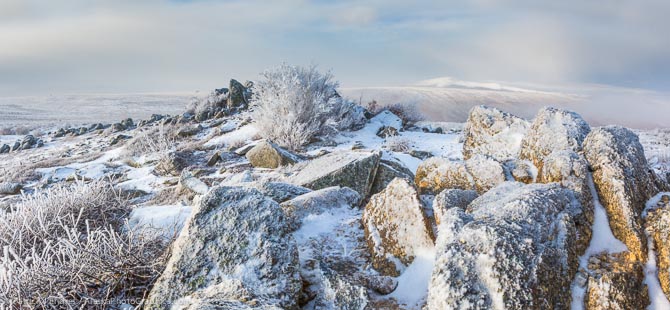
(155, 45)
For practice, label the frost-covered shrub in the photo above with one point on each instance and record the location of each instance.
(68, 248)
(408, 113)
(295, 104)
(156, 140)
(397, 144)
(213, 100)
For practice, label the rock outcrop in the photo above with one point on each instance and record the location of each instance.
(451, 198)
(396, 227)
(615, 283)
(234, 234)
(436, 174)
(266, 154)
(553, 130)
(355, 170)
(624, 182)
(480, 172)
(512, 248)
(489, 131)
(317, 202)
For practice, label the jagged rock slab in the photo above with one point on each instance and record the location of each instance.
(396, 227)
(387, 171)
(624, 182)
(553, 130)
(512, 248)
(489, 131)
(234, 233)
(281, 192)
(355, 170)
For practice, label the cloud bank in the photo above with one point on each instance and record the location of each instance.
(159, 45)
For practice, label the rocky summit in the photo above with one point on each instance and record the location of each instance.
(245, 201)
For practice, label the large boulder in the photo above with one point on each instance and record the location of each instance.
(317, 202)
(624, 182)
(486, 172)
(553, 130)
(436, 174)
(571, 171)
(234, 233)
(451, 198)
(396, 227)
(266, 154)
(512, 248)
(480, 172)
(353, 169)
(615, 282)
(657, 226)
(387, 171)
(489, 131)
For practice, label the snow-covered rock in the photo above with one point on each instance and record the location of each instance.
(266, 154)
(281, 192)
(553, 130)
(9, 188)
(436, 174)
(337, 293)
(624, 182)
(513, 248)
(234, 233)
(387, 171)
(486, 172)
(480, 172)
(396, 227)
(230, 294)
(355, 170)
(657, 226)
(571, 171)
(317, 202)
(491, 132)
(615, 283)
(451, 198)
(522, 170)
(191, 183)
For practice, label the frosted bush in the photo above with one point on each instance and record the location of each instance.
(397, 144)
(295, 104)
(68, 247)
(409, 113)
(156, 140)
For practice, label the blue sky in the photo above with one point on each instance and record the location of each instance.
(78, 46)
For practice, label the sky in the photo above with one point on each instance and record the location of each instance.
(94, 46)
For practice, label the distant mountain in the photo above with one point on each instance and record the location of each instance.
(448, 99)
